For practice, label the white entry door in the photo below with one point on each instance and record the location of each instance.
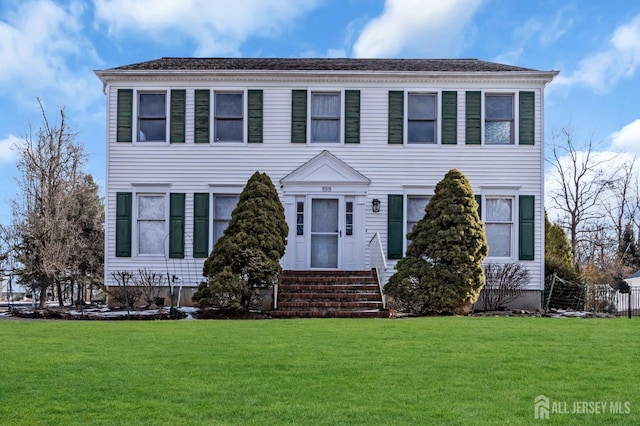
(325, 236)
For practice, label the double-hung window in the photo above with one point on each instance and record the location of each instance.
(415, 209)
(229, 117)
(152, 228)
(223, 206)
(152, 117)
(499, 226)
(498, 123)
(404, 212)
(149, 222)
(421, 118)
(325, 117)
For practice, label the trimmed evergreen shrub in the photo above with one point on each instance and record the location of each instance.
(442, 268)
(247, 256)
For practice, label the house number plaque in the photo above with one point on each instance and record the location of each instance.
(326, 189)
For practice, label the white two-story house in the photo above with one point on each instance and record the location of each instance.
(354, 147)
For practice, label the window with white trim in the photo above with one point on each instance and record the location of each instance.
(421, 118)
(151, 224)
(229, 117)
(499, 214)
(498, 119)
(415, 209)
(325, 117)
(152, 116)
(223, 206)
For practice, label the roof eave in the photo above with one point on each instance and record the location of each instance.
(110, 75)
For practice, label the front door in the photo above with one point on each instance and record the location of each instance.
(325, 250)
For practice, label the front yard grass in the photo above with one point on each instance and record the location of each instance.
(445, 370)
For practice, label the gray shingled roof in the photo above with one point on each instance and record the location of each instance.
(321, 64)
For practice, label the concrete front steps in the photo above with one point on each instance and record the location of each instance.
(329, 294)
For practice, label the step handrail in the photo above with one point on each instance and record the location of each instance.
(378, 262)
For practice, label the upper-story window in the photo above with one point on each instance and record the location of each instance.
(229, 117)
(498, 123)
(152, 117)
(421, 118)
(325, 117)
(331, 116)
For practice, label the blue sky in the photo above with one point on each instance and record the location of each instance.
(49, 49)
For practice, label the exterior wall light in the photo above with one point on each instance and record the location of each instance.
(375, 205)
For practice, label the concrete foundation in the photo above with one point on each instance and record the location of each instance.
(529, 300)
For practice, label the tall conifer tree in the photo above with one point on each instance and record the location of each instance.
(442, 268)
(247, 256)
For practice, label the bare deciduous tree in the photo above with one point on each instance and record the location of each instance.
(622, 208)
(581, 178)
(56, 206)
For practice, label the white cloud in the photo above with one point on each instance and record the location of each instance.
(428, 27)
(546, 30)
(8, 153)
(558, 27)
(627, 139)
(602, 69)
(217, 27)
(39, 42)
(510, 57)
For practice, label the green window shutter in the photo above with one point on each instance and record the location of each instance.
(479, 201)
(201, 116)
(255, 116)
(449, 118)
(299, 116)
(472, 119)
(176, 226)
(124, 116)
(527, 118)
(177, 123)
(200, 225)
(394, 227)
(352, 116)
(527, 227)
(123, 224)
(396, 116)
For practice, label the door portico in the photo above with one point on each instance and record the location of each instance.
(325, 207)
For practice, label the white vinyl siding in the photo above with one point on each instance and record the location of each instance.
(193, 168)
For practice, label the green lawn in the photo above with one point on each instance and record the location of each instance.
(447, 370)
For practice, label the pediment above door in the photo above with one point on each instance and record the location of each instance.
(325, 170)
